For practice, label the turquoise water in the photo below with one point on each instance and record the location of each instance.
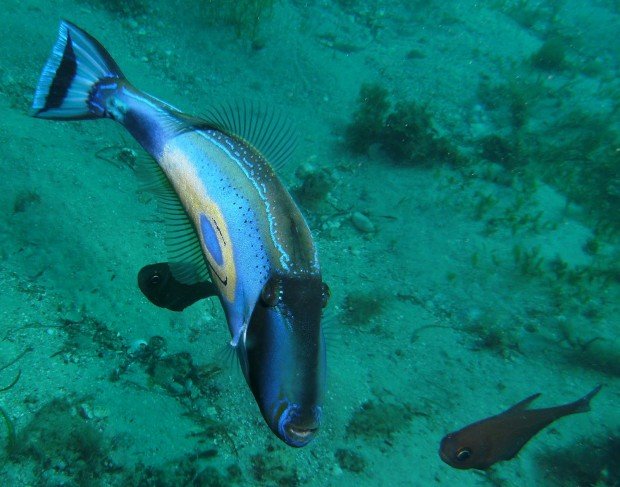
(459, 166)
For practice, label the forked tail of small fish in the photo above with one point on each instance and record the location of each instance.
(583, 405)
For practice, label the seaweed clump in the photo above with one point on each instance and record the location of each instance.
(410, 138)
(243, 15)
(383, 421)
(351, 461)
(10, 427)
(122, 8)
(491, 337)
(316, 184)
(66, 447)
(184, 471)
(596, 354)
(500, 150)
(24, 200)
(268, 469)
(595, 463)
(87, 335)
(584, 163)
(361, 307)
(551, 56)
(406, 134)
(175, 373)
(369, 119)
(510, 103)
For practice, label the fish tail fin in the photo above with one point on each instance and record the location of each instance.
(77, 79)
(583, 405)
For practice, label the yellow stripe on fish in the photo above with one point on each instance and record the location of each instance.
(206, 216)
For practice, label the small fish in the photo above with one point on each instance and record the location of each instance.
(158, 284)
(499, 438)
(229, 221)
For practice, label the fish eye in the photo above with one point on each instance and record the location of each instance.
(463, 454)
(155, 279)
(325, 295)
(270, 294)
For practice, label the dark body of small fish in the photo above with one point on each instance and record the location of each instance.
(233, 230)
(158, 284)
(498, 438)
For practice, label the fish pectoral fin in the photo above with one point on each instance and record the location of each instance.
(520, 406)
(159, 285)
(228, 357)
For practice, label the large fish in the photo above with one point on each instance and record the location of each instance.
(501, 437)
(230, 220)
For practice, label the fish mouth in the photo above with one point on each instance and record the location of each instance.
(297, 431)
(443, 456)
(442, 451)
(300, 435)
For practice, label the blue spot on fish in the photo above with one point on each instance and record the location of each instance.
(209, 235)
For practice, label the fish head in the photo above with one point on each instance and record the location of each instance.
(283, 356)
(464, 451)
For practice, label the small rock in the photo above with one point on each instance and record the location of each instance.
(137, 347)
(31, 399)
(85, 411)
(305, 170)
(175, 388)
(362, 223)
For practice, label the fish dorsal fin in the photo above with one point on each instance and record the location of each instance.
(523, 405)
(187, 263)
(262, 126)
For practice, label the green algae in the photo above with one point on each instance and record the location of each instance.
(368, 120)
(350, 460)
(244, 16)
(410, 137)
(316, 184)
(551, 56)
(407, 134)
(57, 435)
(268, 469)
(594, 463)
(374, 420)
(362, 307)
(10, 429)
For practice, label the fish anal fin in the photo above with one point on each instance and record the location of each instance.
(517, 445)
